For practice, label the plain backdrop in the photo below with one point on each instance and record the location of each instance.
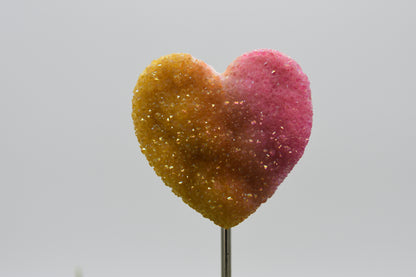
(78, 198)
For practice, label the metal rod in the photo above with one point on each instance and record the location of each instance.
(225, 252)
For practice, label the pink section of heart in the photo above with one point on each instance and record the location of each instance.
(277, 93)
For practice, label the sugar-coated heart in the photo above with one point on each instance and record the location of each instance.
(223, 142)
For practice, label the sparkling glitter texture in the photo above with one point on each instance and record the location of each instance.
(223, 142)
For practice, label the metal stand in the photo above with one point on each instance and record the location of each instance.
(225, 252)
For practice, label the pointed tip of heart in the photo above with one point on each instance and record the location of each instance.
(223, 142)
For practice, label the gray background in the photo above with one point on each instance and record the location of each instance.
(76, 194)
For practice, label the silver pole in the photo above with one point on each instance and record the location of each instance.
(225, 252)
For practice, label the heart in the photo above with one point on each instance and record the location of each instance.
(223, 142)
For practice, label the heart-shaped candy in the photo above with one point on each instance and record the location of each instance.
(223, 142)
